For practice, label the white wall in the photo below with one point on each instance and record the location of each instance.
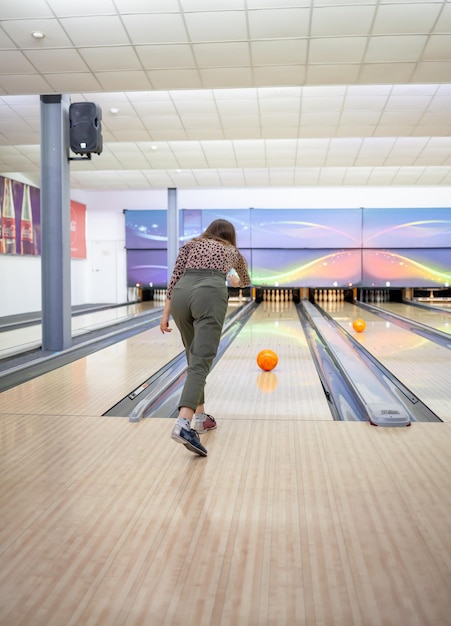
(20, 284)
(314, 197)
(102, 276)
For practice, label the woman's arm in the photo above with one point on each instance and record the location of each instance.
(241, 269)
(164, 322)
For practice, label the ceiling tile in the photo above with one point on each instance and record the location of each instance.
(432, 72)
(15, 62)
(111, 58)
(163, 122)
(222, 54)
(279, 75)
(371, 73)
(195, 107)
(129, 80)
(216, 26)
(342, 74)
(174, 79)
(226, 76)
(155, 28)
(145, 6)
(406, 18)
(20, 33)
(25, 84)
(208, 5)
(82, 7)
(290, 51)
(342, 20)
(95, 31)
(443, 24)
(337, 50)
(31, 8)
(166, 56)
(56, 60)
(399, 47)
(279, 23)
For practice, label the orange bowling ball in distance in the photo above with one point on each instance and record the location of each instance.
(267, 360)
(359, 325)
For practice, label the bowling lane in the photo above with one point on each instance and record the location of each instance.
(93, 384)
(444, 305)
(19, 340)
(238, 390)
(423, 366)
(439, 320)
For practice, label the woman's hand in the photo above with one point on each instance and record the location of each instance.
(233, 278)
(164, 326)
(164, 322)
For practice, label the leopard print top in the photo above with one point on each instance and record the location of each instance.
(208, 254)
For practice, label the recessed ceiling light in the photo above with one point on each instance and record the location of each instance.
(114, 110)
(154, 147)
(37, 34)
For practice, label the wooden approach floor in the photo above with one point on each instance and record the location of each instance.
(287, 522)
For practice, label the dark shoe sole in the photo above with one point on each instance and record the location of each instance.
(189, 445)
(198, 451)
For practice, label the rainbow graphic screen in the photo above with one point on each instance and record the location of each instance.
(306, 228)
(146, 230)
(400, 267)
(406, 228)
(310, 247)
(309, 268)
(145, 267)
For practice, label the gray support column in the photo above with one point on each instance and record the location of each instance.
(173, 230)
(55, 223)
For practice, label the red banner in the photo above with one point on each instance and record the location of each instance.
(20, 221)
(77, 230)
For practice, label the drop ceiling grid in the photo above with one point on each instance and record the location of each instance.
(195, 44)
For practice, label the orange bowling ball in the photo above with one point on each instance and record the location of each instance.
(359, 325)
(267, 360)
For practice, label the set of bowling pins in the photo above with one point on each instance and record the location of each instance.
(329, 295)
(277, 295)
(375, 295)
(159, 294)
(279, 306)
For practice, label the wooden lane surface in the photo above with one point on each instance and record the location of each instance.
(436, 319)
(423, 366)
(286, 522)
(93, 384)
(237, 388)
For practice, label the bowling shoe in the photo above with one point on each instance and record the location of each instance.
(203, 423)
(189, 438)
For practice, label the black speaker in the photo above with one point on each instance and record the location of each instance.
(85, 129)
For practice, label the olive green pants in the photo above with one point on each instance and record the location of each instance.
(198, 307)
